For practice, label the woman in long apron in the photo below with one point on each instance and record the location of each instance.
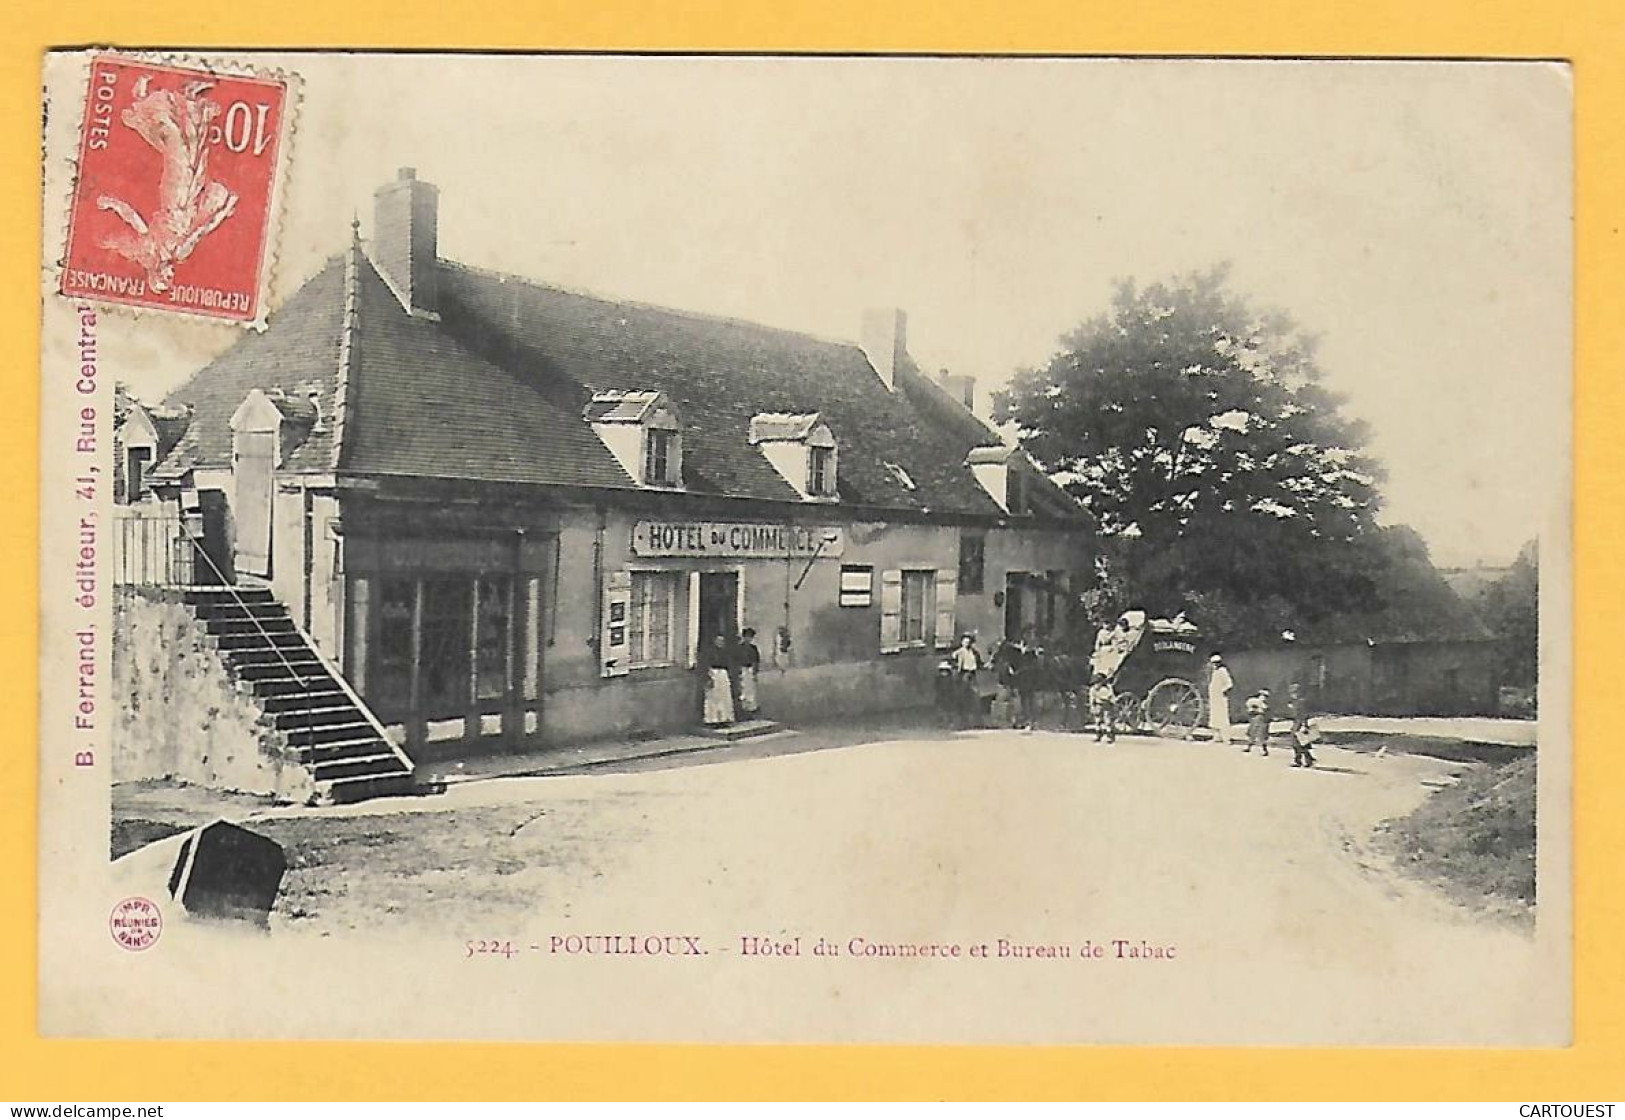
(719, 696)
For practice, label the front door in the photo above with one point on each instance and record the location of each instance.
(1015, 590)
(718, 608)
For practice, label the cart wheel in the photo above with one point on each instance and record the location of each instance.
(1128, 712)
(1174, 708)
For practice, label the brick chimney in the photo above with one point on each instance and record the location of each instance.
(960, 386)
(405, 242)
(884, 339)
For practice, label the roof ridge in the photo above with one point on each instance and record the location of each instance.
(642, 305)
(349, 340)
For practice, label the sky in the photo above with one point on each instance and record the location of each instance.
(1415, 216)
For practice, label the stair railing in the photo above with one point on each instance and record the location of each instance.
(355, 699)
(331, 670)
(301, 680)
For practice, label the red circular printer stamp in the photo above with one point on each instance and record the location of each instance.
(136, 923)
(176, 186)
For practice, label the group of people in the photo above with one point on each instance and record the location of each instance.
(1016, 665)
(1018, 674)
(1260, 711)
(730, 666)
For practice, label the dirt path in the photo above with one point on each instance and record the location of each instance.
(1252, 875)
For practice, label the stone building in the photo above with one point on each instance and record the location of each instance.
(513, 513)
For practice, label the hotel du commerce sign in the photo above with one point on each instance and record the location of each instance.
(744, 540)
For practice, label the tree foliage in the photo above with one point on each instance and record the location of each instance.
(1510, 608)
(1225, 478)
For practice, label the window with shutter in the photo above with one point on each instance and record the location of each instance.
(947, 592)
(891, 610)
(916, 607)
(650, 616)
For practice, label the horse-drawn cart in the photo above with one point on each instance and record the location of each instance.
(1153, 664)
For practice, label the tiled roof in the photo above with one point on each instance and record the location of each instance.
(302, 347)
(416, 402)
(500, 386)
(419, 403)
(719, 374)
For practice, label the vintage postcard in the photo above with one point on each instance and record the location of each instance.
(805, 549)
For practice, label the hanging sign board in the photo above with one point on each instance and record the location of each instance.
(742, 540)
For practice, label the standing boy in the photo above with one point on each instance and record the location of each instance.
(1298, 709)
(1258, 722)
(967, 660)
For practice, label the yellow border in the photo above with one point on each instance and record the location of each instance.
(1590, 34)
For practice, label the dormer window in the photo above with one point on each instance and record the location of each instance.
(820, 471)
(802, 449)
(1003, 472)
(642, 431)
(1016, 490)
(659, 457)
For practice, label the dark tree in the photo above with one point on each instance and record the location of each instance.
(1225, 478)
(1511, 609)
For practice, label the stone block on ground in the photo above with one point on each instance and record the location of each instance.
(224, 871)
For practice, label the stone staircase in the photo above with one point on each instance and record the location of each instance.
(328, 728)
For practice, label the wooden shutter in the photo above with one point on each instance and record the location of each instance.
(947, 594)
(614, 655)
(891, 610)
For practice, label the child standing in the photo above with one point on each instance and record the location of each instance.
(1258, 722)
(1103, 708)
(1302, 736)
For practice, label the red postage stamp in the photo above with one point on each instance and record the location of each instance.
(174, 200)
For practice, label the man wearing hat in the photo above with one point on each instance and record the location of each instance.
(1219, 686)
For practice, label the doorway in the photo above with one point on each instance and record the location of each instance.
(718, 608)
(1015, 618)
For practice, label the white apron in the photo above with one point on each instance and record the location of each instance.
(719, 698)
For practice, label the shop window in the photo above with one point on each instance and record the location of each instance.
(390, 669)
(650, 621)
(446, 632)
(493, 647)
(972, 559)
